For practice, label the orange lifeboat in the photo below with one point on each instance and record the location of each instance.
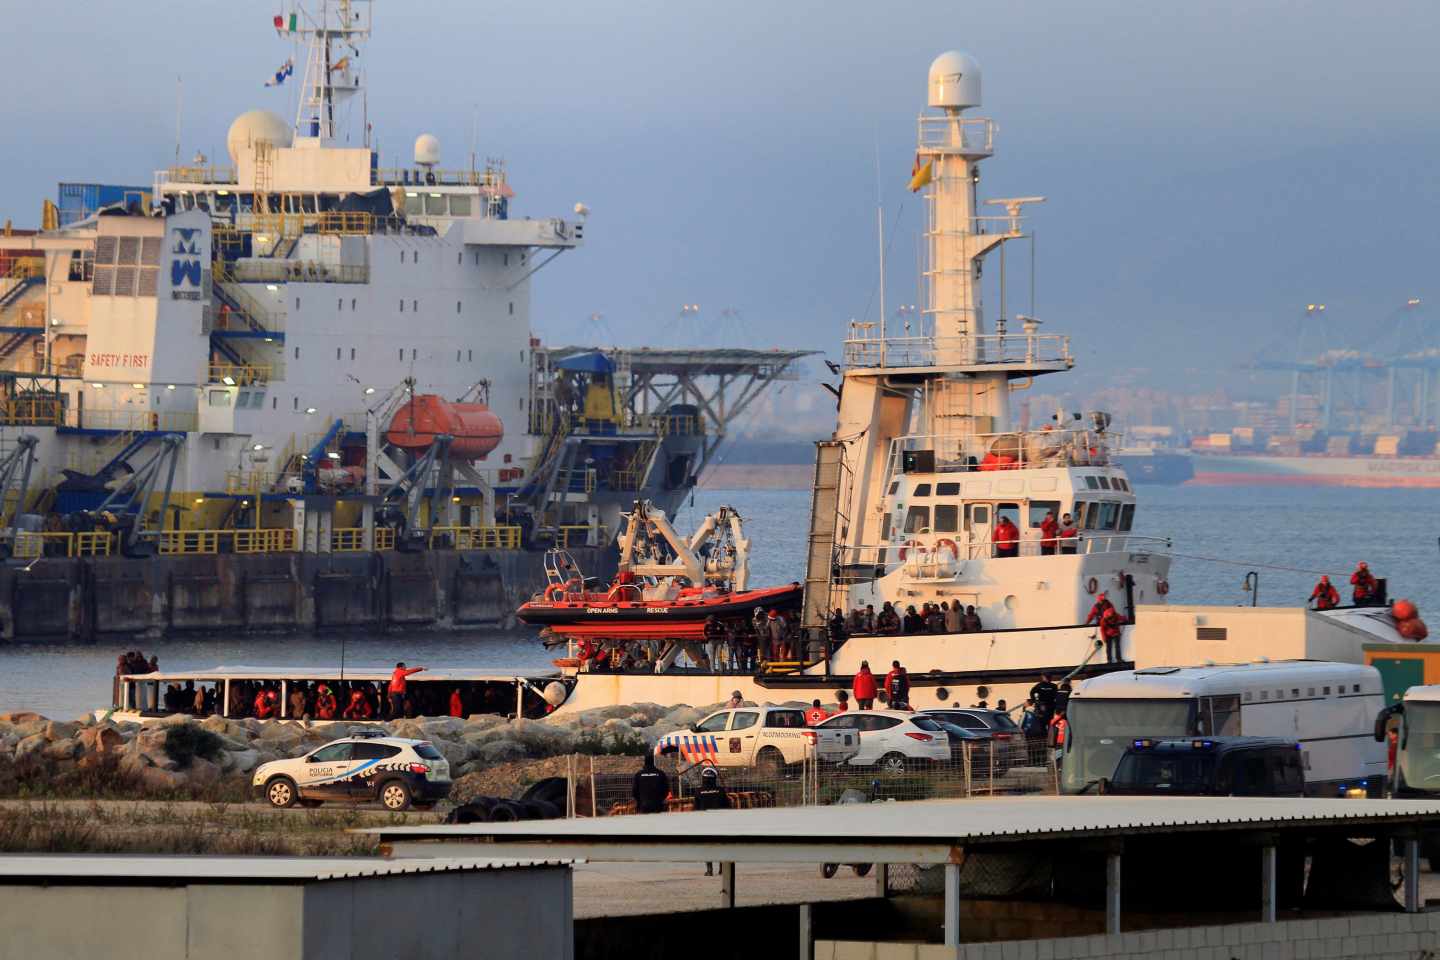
(421, 419)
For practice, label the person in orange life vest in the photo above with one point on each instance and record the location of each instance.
(1364, 583)
(325, 705)
(267, 703)
(457, 703)
(1104, 615)
(1325, 596)
(358, 708)
(1006, 538)
(1059, 726)
(1069, 535)
(815, 715)
(397, 688)
(1049, 529)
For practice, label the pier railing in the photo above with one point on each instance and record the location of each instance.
(1016, 350)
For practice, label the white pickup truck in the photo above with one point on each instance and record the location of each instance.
(767, 738)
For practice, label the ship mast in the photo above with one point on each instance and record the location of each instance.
(334, 32)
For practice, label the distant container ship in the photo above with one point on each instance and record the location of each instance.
(1243, 458)
(1156, 465)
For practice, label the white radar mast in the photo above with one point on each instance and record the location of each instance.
(334, 31)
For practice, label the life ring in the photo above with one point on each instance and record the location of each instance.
(1091, 585)
(945, 542)
(905, 547)
(554, 592)
(1162, 586)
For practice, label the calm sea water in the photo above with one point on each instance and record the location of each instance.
(1288, 536)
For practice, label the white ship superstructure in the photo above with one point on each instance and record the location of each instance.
(269, 318)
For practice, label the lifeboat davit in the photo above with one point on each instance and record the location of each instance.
(422, 418)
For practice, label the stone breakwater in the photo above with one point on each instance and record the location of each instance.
(139, 752)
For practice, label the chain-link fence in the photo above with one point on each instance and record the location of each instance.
(974, 768)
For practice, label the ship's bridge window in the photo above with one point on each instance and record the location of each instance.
(1038, 509)
(219, 398)
(1109, 515)
(917, 520)
(1127, 516)
(947, 490)
(921, 490)
(307, 203)
(894, 485)
(225, 202)
(435, 204)
(1091, 483)
(413, 203)
(947, 518)
(1011, 511)
(459, 204)
(1104, 483)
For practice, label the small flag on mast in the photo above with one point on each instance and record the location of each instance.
(283, 24)
(286, 69)
(920, 176)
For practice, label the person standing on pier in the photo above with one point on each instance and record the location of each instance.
(397, 689)
(864, 687)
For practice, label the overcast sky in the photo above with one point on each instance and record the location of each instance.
(1210, 168)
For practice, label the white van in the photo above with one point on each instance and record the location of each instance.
(1329, 708)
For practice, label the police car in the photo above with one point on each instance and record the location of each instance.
(767, 738)
(398, 773)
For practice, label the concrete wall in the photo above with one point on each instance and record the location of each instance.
(91, 598)
(509, 914)
(1393, 936)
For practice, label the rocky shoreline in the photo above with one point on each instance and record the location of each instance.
(183, 755)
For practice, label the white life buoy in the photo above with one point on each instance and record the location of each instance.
(905, 548)
(945, 543)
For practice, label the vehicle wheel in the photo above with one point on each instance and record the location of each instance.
(828, 870)
(394, 795)
(893, 764)
(861, 869)
(770, 764)
(281, 792)
(309, 803)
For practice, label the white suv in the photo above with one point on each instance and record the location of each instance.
(895, 741)
(399, 773)
(768, 738)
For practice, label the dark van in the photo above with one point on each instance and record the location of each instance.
(1210, 767)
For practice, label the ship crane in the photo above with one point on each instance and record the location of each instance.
(716, 555)
(20, 460)
(123, 511)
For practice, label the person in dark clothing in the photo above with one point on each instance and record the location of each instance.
(1043, 693)
(971, 620)
(1062, 697)
(897, 686)
(838, 630)
(711, 796)
(913, 622)
(651, 787)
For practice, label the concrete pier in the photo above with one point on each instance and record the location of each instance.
(88, 598)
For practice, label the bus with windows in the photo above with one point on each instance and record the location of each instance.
(1328, 708)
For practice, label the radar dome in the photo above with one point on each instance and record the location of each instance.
(955, 80)
(256, 126)
(427, 150)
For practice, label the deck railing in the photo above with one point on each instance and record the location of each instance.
(998, 452)
(941, 550)
(1009, 350)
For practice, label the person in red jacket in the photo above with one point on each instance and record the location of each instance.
(1006, 538)
(325, 705)
(1049, 531)
(864, 687)
(1104, 615)
(457, 704)
(1364, 583)
(358, 708)
(1325, 596)
(816, 715)
(267, 704)
(397, 688)
(897, 686)
(1069, 535)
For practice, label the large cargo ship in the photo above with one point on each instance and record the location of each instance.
(295, 350)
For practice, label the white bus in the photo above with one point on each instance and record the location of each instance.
(1329, 708)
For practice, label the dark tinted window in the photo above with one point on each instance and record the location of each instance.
(917, 519)
(428, 752)
(785, 718)
(743, 721)
(966, 720)
(947, 518)
(845, 721)
(947, 490)
(876, 723)
(922, 490)
(926, 724)
(1165, 772)
(334, 753)
(378, 751)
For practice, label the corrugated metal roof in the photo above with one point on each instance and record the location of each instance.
(139, 870)
(932, 822)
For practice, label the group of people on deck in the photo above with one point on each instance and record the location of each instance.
(942, 617)
(1364, 590)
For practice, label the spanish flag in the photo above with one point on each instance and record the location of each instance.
(919, 176)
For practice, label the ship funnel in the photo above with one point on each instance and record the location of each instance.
(955, 81)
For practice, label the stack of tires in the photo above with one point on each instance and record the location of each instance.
(543, 800)
(1407, 620)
